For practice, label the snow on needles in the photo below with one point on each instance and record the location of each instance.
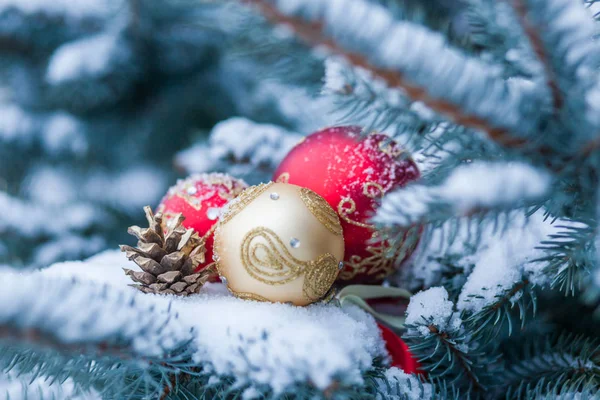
(243, 141)
(481, 185)
(260, 343)
(431, 307)
(81, 312)
(15, 385)
(90, 57)
(79, 8)
(478, 88)
(503, 258)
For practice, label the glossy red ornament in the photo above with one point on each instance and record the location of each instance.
(352, 172)
(398, 351)
(200, 198)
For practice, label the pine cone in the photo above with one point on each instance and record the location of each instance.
(167, 260)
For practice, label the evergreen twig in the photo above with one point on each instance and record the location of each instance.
(313, 34)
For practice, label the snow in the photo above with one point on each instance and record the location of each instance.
(90, 57)
(32, 220)
(240, 141)
(64, 133)
(480, 185)
(257, 343)
(15, 124)
(486, 185)
(502, 258)
(129, 190)
(504, 261)
(475, 86)
(404, 386)
(431, 307)
(67, 247)
(79, 8)
(116, 316)
(30, 387)
(340, 77)
(50, 186)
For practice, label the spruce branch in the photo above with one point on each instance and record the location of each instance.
(436, 336)
(112, 322)
(314, 34)
(538, 47)
(567, 256)
(566, 360)
(497, 317)
(473, 189)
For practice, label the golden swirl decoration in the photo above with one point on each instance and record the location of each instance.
(267, 259)
(368, 190)
(321, 210)
(245, 198)
(284, 177)
(248, 296)
(347, 205)
(380, 261)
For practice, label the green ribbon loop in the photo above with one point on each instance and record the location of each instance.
(358, 294)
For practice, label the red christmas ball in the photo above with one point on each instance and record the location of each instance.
(352, 172)
(398, 351)
(199, 198)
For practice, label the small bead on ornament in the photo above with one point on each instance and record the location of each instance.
(200, 198)
(286, 250)
(352, 172)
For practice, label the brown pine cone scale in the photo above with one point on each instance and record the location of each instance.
(167, 260)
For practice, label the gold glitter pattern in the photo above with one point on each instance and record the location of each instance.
(380, 262)
(245, 198)
(248, 296)
(267, 259)
(284, 177)
(321, 210)
(347, 205)
(369, 192)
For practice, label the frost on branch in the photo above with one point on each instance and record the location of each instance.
(70, 314)
(373, 103)
(254, 343)
(397, 384)
(78, 9)
(502, 262)
(87, 58)
(566, 46)
(432, 307)
(465, 89)
(30, 387)
(240, 146)
(31, 220)
(469, 189)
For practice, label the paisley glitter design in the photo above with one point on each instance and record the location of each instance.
(321, 210)
(245, 198)
(267, 259)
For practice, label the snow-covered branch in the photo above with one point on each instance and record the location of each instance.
(78, 317)
(469, 189)
(466, 90)
(366, 100)
(253, 344)
(240, 146)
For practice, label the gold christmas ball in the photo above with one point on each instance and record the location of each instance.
(279, 242)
